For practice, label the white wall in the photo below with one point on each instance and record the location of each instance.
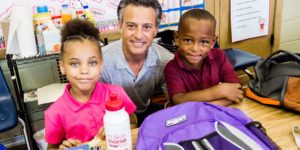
(290, 27)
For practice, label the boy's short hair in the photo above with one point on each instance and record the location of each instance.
(199, 14)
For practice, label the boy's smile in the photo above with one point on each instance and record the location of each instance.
(195, 41)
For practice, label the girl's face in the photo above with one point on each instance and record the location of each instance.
(195, 40)
(82, 65)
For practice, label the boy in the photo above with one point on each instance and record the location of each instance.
(200, 72)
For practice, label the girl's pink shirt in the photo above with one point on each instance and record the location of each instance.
(68, 118)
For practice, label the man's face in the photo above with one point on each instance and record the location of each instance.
(138, 29)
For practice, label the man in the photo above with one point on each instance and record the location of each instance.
(135, 62)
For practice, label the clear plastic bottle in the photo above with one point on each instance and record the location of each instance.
(117, 125)
(40, 40)
(88, 15)
(66, 13)
(42, 17)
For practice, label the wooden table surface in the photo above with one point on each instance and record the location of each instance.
(277, 122)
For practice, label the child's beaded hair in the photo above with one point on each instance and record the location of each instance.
(79, 30)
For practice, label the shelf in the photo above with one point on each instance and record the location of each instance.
(32, 59)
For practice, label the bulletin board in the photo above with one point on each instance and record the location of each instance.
(104, 11)
(173, 9)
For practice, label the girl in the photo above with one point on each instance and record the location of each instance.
(77, 115)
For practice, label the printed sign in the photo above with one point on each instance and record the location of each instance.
(249, 19)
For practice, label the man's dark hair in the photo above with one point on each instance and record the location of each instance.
(145, 3)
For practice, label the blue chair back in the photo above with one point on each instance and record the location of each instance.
(240, 59)
(8, 111)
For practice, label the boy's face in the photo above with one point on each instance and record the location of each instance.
(195, 39)
(82, 65)
(138, 29)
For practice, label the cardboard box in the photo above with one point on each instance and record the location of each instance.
(2, 53)
(5, 29)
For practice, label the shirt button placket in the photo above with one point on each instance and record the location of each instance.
(93, 121)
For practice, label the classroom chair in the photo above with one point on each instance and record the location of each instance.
(166, 40)
(8, 112)
(242, 60)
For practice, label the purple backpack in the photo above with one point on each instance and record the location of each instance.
(197, 125)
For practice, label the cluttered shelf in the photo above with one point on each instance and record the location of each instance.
(14, 61)
(24, 60)
(27, 75)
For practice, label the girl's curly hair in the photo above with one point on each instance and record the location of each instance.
(79, 30)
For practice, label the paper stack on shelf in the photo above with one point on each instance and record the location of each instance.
(50, 93)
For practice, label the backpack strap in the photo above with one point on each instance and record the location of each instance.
(257, 128)
(235, 136)
(295, 57)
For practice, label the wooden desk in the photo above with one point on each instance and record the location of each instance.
(277, 122)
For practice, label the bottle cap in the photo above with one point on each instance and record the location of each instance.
(79, 12)
(114, 104)
(42, 9)
(64, 5)
(56, 17)
(85, 7)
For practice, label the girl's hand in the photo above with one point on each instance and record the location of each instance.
(98, 140)
(69, 143)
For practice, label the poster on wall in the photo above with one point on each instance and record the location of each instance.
(172, 10)
(249, 19)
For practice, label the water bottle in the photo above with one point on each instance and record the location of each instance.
(117, 125)
(42, 17)
(66, 13)
(40, 40)
(88, 15)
